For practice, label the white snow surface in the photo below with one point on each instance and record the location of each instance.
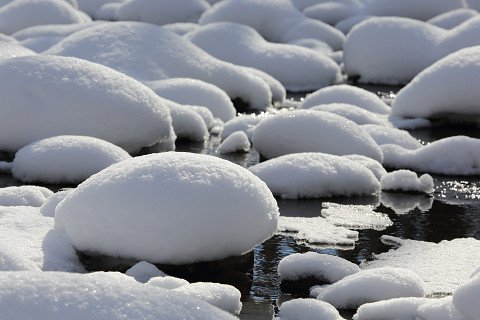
(20, 14)
(351, 112)
(370, 286)
(187, 122)
(31, 196)
(97, 296)
(451, 19)
(243, 122)
(50, 204)
(136, 209)
(315, 175)
(466, 297)
(443, 266)
(308, 309)
(143, 271)
(355, 216)
(65, 159)
(325, 267)
(12, 49)
(45, 96)
(332, 12)
(147, 52)
(237, 141)
(222, 296)
(311, 131)
(376, 167)
(167, 282)
(298, 69)
(181, 28)
(406, 180)
(92, 6)
(389, 135)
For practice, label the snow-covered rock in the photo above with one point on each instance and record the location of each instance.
(11, 49)
(186, 122)
(312, 131)
(332, 12)
(31, 196)
(466, 297)
(50, 204)
(243, 122)
(144, 271)
(389, 135)
(376, 167)
(148, 52)
(167, 282)
(20, 14)
(356, 114)
(92, 6)
(347, 24)
(308, 309)
(65, 159)
(237, 141)
(315, 175)
(45, 96)
(355, 216)
(298, 69)
(147, 195)
(406, 180)
(451, 19)
(181, 28)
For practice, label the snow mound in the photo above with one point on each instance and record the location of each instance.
(332, 12)
(355, 216)
(146, 196)
(443, 266)
(308, 309)
(351, 112)
(237, 141)
(161, 12)
(243, 122)
(312, 131)
(370, 286)
(144, 271)
(167, 282)
(195, 92)
(324, 267)
(65, 159)
(344, 93)
(222, 296)
(376, 167)
(99, 296)
(148, 53)
(315, 175)
(11, 49)
(466, 297)
(388, 135)
(457, 155)
(406, 180)
(31, 196)
(20, 14)
(347, 24)
(181, 28)
(298, 69)
(91, 7)
(47, 96)
(451, 19)
(50, 204)
(187, 122)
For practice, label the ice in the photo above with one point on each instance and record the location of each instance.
(355, 216)
(237, 141)
(308, 309)
(406, 180)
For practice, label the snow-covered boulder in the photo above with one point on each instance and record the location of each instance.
(315, 175)
(97, 296)
(298, 69)
(308, 309)
(312, 131)
(187, 122)
(243, 122)
(347, 24)
(31, 196)
(167, 282)
(20, 14)
(332, 12)
(237, 141)
(376, 167)
(466, 297)
(161, 12)
(147, 52)
(92, 6)
(344, 93)
(181, 28)
(356, 114)
(50, 204)
(406, 180)
(65, 159)
(144, 271)
(141, 202)
(389, 135)
(451, 19)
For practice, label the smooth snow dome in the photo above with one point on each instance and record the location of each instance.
(324, 267)
(45, 96)
(315, 175)
(308, 309)
(11, 50)
(312, 131)
(451, 19)
(144, 271)
(351, 112)
(466, 297)
(20, 14)
(195, 92)
(222, 296)
(298, 69)
(370, 286)
(187, 122)
(136, 208)
(237, 141)
(167, 282)
(48, 207)
(376, 167)
(92, 6)
(148, 52)
(161, 12)
(65, 159)
(406, 180)
(31, 196)
(355, 216)
(389, 135)
(99, 296)
(445, 78)
(181, 28)
(457, 155)
(332, 12)
(344, 93)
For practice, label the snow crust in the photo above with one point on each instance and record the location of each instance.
(308, 309)
(31, 196)
(406, 180)
(355, 216)
(237, 141)
(144, 271)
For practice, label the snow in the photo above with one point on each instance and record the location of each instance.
(316, 231)
(308, 309)
(344, 93)
(317, 45)
(98, 296)
(373, 165)
(443, 266)
(355, 216)
(136, 208)
(347, 24)
(451, 19)
(11, 49)
(466, 297)
(315, 175)
(235, 142)
(388, 135)
(324, 267)
(195, 92)
(351, 112)
(298, 69)
(405, 203)
(311, 131)
(222, 296)
(20, 14)
(31, 196)
(46, 96)
(161, 12)
(186, 122)
(457, 155)
(332, 12)
(181, 28)
(243, 122)
(406, 180)
(144, 271)
(92, 6)
(167, 282)
(65, 159)
(148, 53)
(370, 286)
(50, 204)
